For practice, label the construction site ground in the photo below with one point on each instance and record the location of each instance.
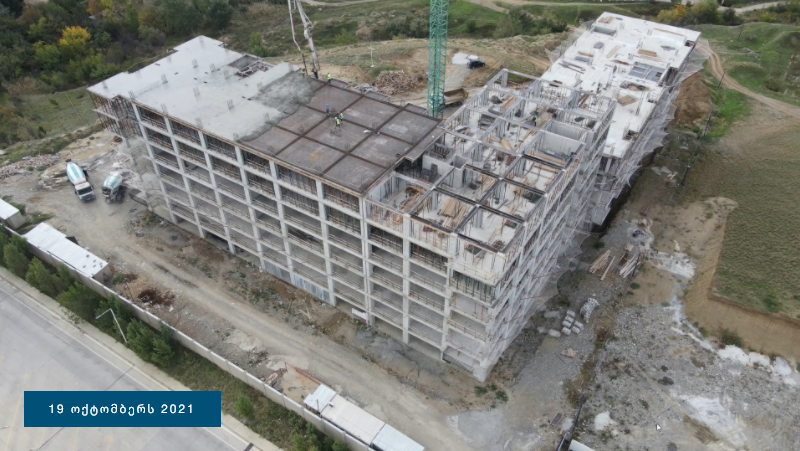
(650, 378)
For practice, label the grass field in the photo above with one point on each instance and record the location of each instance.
(575, 14)
(760, 59)
(32, 116)
(759, 265)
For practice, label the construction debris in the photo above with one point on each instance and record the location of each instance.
(391, 82)
(569, 352)
(273, 378)
(28, 164)
(629, 267)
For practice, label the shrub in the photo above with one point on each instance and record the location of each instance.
(15, 260)
(730, 337)
(635, 286)
(599, 244)
(39, 277)
(501, 395)
(163, 355)
(480, 391)
(81, 300)
(140, 340)
(346, 38)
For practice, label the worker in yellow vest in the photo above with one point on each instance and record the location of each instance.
(329, 78)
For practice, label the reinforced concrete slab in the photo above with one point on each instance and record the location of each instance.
(310, 156)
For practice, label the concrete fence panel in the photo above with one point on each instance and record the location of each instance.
(293, 406)
(217, 360)
(313, 419)
(274, 395)
(149, 318)
(354, 444)
(255, 383)
(331, 430)
(237, 372)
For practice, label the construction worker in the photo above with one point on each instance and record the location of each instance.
(340, 116)
(535, 118)
(337, 129)
(329, 78)
(327, 109)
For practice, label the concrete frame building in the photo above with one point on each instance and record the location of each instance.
(640, 64)
(445, 235)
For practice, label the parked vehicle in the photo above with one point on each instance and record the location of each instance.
(455, 97)
(113, 189)
(475, 63)
(80, 182)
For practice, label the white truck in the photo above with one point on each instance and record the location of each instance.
(80, 183)
(113, 189)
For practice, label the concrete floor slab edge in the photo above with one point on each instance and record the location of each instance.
(159, 380)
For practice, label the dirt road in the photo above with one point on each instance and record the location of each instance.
(714, 65)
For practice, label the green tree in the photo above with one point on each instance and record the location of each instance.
(140, 340)
(81, 301)
(14, 6)
(4, 240)
(507, 26)
(47, 56)
(345, 38)
(244, 406)
(64, 274)
(180, 17)
(255, 46)
(16, 261)
(42, 279)
(74, 41)
(218, 14)
(339, 446)
(706, 11)
(163, 354)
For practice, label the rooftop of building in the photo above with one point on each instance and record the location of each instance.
(630, 60)
(275, 110)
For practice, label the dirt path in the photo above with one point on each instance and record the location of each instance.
(714, 65)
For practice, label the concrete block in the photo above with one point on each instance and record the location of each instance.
(542, 330)
(553, 333)
(551, 315)
(576, 330)
(570, 313)
(566, 323)
(578, 324)
(566, 331)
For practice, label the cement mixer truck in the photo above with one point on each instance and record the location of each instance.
(80, 183)
(113, 189)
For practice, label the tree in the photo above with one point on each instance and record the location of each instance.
(13, 6)
(42, 279)
(73, 41)
(16, 261)
(140, 340)
(162, 354)
(179, 17)
(345, 38)
(706, 11)
(4, 240)
(507, 26)
(47, 56)
(255, 46)
(219, 14)
(81, 301)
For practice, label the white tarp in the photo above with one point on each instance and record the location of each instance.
(56, 243)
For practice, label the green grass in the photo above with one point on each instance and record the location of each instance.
(21, 117)
(462, 12)
(759, 264)
(759, 58)
(575, 14)
(730, 106)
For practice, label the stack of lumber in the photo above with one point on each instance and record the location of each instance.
(629, 267)
(601, 262)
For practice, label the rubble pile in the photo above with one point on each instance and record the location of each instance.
(391, 82)
(28, 164)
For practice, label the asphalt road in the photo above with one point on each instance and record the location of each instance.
(39, 351)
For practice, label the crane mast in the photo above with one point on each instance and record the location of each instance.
(307, 27)
(437, 56)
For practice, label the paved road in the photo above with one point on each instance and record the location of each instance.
(39, 351)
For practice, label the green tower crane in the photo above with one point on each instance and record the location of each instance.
(437, 56)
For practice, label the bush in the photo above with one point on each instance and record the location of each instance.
(346, 38)
(730, 337)
(15, 260)
(599, 244)
(244, 407)
(501, 395)
(163, 355)
(140, 340)
(39, 277)
(81, 300)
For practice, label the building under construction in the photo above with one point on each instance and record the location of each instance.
(445, 235)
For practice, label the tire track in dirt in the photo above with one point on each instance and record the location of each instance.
(714, 65)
